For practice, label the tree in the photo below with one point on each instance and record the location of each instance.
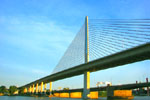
(21, 91)
(12, 89)
(0, 90)
(3, 89)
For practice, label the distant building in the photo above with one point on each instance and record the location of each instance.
(102, 83)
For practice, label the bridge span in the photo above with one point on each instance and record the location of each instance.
(104, 88)
(116, 42)
(125, 57)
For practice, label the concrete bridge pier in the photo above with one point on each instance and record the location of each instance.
(45, 88)
(30, 89)
(50, 88)
(39, 91)
(41, 88)
(33, 88)
(115, 93)
(147, 88)
(37, 88)
(86, 90)
(25, 90)
(110, 91)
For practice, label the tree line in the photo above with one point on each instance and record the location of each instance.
(10, 91)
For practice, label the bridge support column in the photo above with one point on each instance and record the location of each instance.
(147, 87)
(45, 88)
(86, 90)
(25, 90)
(30, 89)
(50, 88)
(110, 91)
(33, 88)
(114, 93)
(37, 88)
(41, 87)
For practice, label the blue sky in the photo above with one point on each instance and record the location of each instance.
(34, 34)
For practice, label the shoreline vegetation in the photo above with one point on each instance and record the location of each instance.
(13, 91)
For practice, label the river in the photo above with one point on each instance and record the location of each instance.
(47, 98)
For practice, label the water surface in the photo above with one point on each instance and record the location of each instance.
(47, 98)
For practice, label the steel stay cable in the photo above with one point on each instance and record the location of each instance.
(114, 41)
(124, 34)
(96, 28)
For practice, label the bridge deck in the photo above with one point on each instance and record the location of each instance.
(125, 57)
(115, 87)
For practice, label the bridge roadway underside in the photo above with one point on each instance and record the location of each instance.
(132, 55)
(115, 87)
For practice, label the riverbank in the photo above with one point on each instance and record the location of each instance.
(34, 95)
(47, 98)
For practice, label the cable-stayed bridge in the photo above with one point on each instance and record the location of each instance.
(100, 44)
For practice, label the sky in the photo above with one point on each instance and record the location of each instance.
(34, 35)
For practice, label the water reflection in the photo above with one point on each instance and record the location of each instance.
(104, 98)
(54, 98)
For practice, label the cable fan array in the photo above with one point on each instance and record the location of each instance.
(74, 55)
(106, 37)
